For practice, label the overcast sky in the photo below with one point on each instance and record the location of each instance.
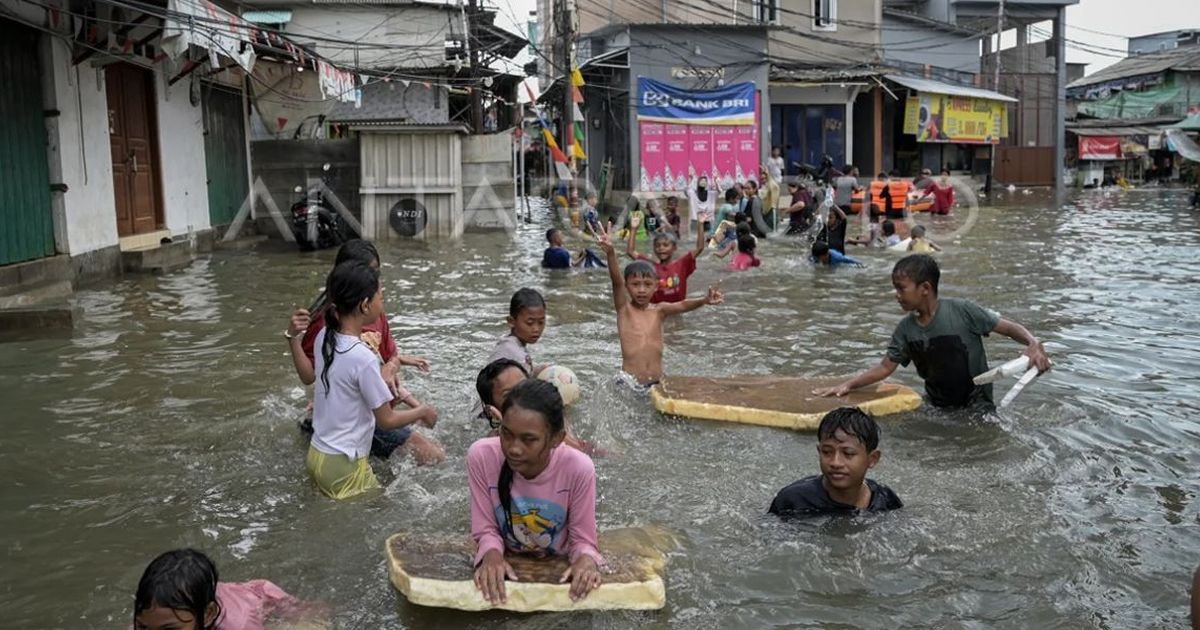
(1103, 25)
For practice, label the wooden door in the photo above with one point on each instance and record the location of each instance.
(133, 140)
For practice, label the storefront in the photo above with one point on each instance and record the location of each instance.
(947, 126)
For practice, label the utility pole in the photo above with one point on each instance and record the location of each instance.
(999, 34)
(566, 34)
(473, 56)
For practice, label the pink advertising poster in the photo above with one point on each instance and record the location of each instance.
(724, 155)
(653, 157)
(675, 172)
(747, 153)
(700, 149)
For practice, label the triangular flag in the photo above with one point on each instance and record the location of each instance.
(579, 132)
(576, 94)
(282, 122)
(564, 173)
(578, 112)
(549, 138)
(577, 151)
(529, 91)
(577, 78)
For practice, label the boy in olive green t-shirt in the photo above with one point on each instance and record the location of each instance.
(943, 337)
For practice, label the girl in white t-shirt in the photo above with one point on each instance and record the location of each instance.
(351, 397)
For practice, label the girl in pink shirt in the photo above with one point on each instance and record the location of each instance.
(180, 589)
(529, 494)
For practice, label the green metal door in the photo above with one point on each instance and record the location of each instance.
(26, 222)
(224, 153)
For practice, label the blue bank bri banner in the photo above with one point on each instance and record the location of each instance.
(729, 105)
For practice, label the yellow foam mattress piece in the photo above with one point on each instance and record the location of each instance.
(772, 401)
(438, 572)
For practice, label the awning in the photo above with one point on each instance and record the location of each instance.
(279, 16)
(1113, 131)
(937, 87)
(1191, 123)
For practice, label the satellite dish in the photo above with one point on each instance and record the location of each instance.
(408, 217)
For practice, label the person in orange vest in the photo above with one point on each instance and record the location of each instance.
(897, 196)
(878, 191)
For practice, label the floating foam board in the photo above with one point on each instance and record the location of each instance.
(772, 401)
(438, 572)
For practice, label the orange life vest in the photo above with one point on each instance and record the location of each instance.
(898, 191)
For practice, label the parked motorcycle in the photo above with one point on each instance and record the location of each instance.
(315, 224)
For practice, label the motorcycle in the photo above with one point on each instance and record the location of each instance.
(315, 224)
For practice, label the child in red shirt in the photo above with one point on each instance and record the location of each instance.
(672, 272)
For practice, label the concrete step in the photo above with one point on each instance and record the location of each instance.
(16, 278)
(37, 322)
(39, 293)
(164, 258)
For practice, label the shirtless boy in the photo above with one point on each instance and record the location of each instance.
(639, 322)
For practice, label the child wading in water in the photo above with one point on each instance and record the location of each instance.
(640, 320)
(526, 322)
(530, 495)
(493, 384)
(351, 397)
(848, 446)
(378, 335)
(943, 337)
(180, 590)
(672, 273)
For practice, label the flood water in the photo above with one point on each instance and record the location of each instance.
(169, 419)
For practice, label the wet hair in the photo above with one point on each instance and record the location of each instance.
(182, 580)
(819, 249)
(665, 236)
(853, 422)
(731, 195)
(550, 235)
(881, 175)
(945, 171)
(918, 231)
(742, 229)
(672, 199)
(746, 243)
(486, 380)
(889, 227)
(525, 298)
(846, 169)
(357, 249)
(348, 285)
(640, 268)
(919, 268)
(751, 183)
(541, 398)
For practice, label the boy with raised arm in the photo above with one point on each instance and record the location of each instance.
(943, 337)
(640, 320)
(671, 273)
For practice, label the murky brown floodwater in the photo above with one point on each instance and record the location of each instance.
(168, 419)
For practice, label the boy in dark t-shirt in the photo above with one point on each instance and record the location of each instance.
(556, 256)
(943, 337)
(848, 446)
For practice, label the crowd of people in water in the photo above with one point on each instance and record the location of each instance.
(532, 480)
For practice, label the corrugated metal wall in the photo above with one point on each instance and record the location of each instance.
(422, 166)
(26, 221)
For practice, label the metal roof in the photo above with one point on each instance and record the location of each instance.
(1187, 58)
(1114, 131)
(937, 87)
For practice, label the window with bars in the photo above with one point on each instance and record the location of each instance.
(824, 15)
(767, 11)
